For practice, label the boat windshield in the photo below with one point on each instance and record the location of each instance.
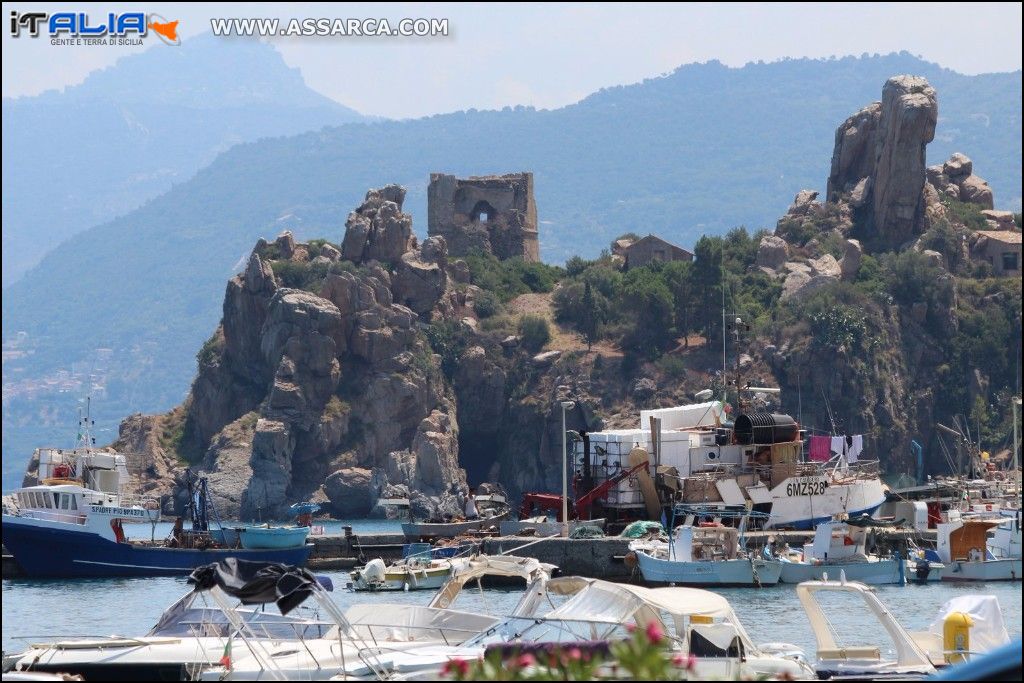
(212, 622)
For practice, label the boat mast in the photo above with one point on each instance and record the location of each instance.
(85, 424)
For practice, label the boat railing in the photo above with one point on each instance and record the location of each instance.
(133, 500)
(66, 516)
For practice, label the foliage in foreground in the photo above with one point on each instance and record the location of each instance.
(643, 656)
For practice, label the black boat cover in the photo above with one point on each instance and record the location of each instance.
(257, 583)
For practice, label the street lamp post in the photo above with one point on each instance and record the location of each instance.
(1015, 404)
(566, 405)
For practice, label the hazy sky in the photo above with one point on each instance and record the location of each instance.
(551, 55)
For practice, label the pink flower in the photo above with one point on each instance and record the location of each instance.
(654, 633)
(575, 655)
(525, 660)
(684, 662)
(455, 667)
(630, 627)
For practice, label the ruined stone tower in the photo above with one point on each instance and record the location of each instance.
(494, 213)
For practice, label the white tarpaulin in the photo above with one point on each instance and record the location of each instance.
(708, 414)
(988, 632)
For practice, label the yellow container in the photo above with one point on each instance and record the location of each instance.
(956, 637)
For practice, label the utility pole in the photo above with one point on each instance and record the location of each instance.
(566, 405)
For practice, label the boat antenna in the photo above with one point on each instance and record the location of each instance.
(85, 424)
(828, 408)
(721, 275)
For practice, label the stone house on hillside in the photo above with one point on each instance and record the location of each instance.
(652, 248)
(1001, 249)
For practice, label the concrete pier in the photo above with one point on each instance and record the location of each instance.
(600, 558)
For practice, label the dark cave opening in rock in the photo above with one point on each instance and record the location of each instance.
(477, 453)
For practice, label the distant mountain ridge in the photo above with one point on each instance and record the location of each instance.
(699, 151)
(77, 157)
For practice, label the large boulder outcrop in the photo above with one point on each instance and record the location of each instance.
(955, 179)
(878, 163)
(772, 252)
(909, 114)
(378, 230)
(420, 277)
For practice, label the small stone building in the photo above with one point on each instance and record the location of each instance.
(652, 248)
(1001, 249)
(495, 214)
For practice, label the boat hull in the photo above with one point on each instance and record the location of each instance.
(546, 529)
(874, 573)
(429, 579)
(50, 551)
(990, 570)
(448, 530)
(755, 572)
(274, 538)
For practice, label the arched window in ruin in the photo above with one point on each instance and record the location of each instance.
(482, 212)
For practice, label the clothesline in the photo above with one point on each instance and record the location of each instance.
(823, 448)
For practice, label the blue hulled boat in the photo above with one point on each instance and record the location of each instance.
(71, 524)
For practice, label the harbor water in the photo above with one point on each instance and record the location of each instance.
(36, 610)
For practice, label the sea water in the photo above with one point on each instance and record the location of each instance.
(35, 609)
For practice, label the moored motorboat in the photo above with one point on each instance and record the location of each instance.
(857, 661)
(492, 508)
(840, 546)
(194, 632)
(703, 556)
(981, 549)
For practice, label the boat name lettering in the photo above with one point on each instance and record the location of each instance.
(806, 487)
(118, 512)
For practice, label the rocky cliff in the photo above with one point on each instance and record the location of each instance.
(887, 372)
(379, 366)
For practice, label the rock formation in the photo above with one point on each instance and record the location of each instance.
(878, 164)
(309, 394)
(495, 214)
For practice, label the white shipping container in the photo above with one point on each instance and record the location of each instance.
(685, 417)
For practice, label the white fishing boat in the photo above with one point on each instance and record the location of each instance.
(703, 556)
(840, 546)
(859, 660)
(705, 459)
(981, 549)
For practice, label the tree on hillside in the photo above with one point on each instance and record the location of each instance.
(678, 276)
(647, 296)
(593, 315)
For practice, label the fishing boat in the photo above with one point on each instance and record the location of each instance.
(194, 632)
(981, 549)
(842, 546)
(701, 457)
(493, 508)
(72, 524)
(857, 661)
(704, 554)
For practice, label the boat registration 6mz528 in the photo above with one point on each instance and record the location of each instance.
(806, 486)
